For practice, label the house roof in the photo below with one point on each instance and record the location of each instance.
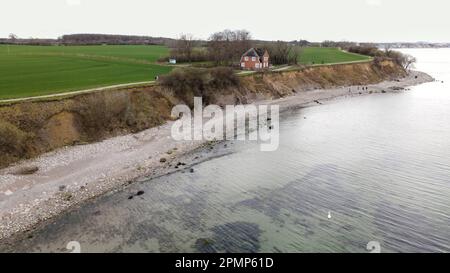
(254, 52)
(260, 51)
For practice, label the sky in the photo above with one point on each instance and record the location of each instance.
(313, 20)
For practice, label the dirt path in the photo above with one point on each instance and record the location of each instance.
(65, 94)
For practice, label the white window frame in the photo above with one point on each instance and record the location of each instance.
(242, 64)
(253, 59)
(246, 58)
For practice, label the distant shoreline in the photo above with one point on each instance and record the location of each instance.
(74, 175)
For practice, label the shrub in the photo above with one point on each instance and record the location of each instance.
(406, 61)
(195, 56)
(283, 53)
(368, 51)
(182, 56)
(99, 110)
(223, 77)
(189, 82)
(187, 79)
(12, 139)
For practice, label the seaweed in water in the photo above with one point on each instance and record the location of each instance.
(234, 237)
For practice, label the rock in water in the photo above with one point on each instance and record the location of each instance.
(140, 193)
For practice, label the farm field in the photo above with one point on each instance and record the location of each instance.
(27, 71)
(42, 70)
(325, 55)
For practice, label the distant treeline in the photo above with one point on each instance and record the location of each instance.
(91, 39)
(98, 39)
(29, 41)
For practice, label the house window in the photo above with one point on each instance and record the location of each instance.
(242, 64)
(266, 59)
(253, 59)
(246, 59)
(257, 65)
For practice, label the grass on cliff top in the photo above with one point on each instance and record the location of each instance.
(42, 70)
(326, 55)
(27, 71)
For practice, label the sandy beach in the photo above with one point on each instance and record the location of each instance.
(73, 175)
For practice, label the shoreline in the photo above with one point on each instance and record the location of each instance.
(74, 175)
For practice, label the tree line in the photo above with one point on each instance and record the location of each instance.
(226, 47)
(89, 39)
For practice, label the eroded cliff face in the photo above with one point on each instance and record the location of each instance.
(281, 84)
(32, 128)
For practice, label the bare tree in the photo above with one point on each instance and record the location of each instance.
(281, 52)
(284, 53)
(13, 37)
(296, 52)
(185, 46)
(242, 43)
(217, 48)
(409, 61)
(388, 50)
(227, 46)
(328, 43)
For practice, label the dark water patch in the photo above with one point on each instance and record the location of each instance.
(410, 230)
(231, 238)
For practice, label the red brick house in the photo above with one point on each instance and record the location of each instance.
(255, 59)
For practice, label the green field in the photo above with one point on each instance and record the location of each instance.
(27, 71)
(42, 70)
(325, 55)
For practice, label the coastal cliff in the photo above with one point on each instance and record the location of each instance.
(29, 129)
(35, 190)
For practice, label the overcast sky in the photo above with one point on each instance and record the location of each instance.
(314, 20)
